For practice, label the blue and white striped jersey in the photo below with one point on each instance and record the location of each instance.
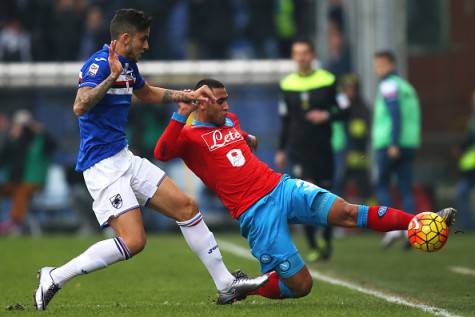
(102, 129)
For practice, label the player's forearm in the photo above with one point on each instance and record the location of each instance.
(86, 99)
(159, 95)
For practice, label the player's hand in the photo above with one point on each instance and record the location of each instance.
(203, 94)
(114, 63)
(280, 159)
(394, 152)
(317, 116)
(186, 108)
(252, 142)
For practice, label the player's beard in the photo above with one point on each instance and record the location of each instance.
(221, 120)
(131, 55)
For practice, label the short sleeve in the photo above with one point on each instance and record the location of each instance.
(389, 90)
(94, 72)
(139, 81)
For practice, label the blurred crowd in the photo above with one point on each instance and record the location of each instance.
(70, 30)
(53, 30)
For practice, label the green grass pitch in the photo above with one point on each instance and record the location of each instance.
(167, 279)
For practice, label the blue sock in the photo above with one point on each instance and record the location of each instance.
(285, 292)
(362, 216)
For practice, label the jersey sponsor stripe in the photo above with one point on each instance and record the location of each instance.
(120, 91)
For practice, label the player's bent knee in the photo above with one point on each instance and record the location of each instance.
(136, 243)
(351, 213)
(187, 210)
(343, 214)
(304, 288)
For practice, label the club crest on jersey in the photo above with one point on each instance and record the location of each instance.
(382, 211)
(116, 201)
(266, 258)
(217, 139)
(92, 71)
(236, 158)
(284, 266)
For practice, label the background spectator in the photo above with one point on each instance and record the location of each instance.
(25, 157)
(467, 172)
(353, 181)
(396, 135)
(95, 34)
(15, 43)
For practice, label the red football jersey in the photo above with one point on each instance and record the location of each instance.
(221, 157)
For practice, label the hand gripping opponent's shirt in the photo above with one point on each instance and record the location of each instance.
(102, 129)
(221, 157)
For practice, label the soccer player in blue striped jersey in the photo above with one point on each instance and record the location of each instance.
(120, 182)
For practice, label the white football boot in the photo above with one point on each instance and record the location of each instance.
(47, 288)
(240, 288)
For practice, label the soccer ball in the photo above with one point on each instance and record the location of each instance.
(428, 232)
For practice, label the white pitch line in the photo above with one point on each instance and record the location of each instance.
(462, 270)
(244, 253)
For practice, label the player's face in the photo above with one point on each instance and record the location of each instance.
(382, 66)
(137, 44)
(216, 112)
(302, 55)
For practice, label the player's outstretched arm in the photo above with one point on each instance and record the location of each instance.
(88, 97)
(158, 95)
(170, 145)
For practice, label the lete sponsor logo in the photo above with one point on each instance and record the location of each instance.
(218, 138)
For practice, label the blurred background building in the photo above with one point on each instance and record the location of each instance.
(246, 44)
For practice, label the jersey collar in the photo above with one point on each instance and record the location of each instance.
(391, 73)
(228, 123)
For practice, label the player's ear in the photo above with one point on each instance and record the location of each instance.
(125, 38)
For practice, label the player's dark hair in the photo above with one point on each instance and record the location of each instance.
(211, 83)
(305, 41)
(128, 21)
(388, 55)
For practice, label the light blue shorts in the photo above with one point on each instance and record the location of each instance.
(265, 224)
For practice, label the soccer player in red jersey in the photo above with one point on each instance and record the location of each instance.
(264, 202)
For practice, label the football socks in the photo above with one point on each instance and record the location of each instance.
(202, 242)
(98, 256)
(274, 288)
(380, 218)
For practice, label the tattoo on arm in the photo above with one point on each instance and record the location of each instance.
(175, 96)
(87, 99)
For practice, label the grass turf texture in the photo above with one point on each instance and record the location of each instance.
(167, 279)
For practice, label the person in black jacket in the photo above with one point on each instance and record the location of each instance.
(308, 106)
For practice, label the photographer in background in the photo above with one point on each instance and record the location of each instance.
(25, 158)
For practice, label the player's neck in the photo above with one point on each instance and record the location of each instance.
(202, 118)
(306, 71)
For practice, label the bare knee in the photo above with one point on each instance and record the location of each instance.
(304, 288)
(188, 209)
(343, 213)
(301, 283)
(135, 243)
